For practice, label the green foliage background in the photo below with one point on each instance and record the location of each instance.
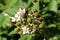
(50, 9)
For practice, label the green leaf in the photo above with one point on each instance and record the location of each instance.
(58, 25)
(29, 2)
(30, 37)
(46, 1)
(3, 21)
(3, 32)
(11, 11)
(21, 4)
(58, 1)
(35, 6)
(27, 37)
(6, 1)
(23, 37)
(52, 25)
(3, 38)
(54, 38)
(58, 37)
(46, 15)
(53, 6)
(13, 32)
(10, 3)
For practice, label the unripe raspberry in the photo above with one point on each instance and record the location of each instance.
(41, 26)
(28, 20)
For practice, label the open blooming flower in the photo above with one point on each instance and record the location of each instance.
(18, 14)
(25, 30)
(21, 10)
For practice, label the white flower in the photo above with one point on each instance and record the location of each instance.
(18, 14)
(18, 18)
(21, 10)
(25, 30)
(13, 19)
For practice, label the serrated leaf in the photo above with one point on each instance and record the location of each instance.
(53, 6)
(29, 2)
(6, 1)
(10, 3)
(21, 4)
(35, 6)
(3, 21)
(10, 11)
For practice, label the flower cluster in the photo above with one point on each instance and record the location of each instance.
(26, 22)
(17, 18)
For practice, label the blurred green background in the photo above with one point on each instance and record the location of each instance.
(50, 9)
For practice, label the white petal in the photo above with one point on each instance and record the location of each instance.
(16, 15)
(6, 14)
(23, 10)
(18, 18)
(24, 32)
(24, 28)
(13, 19)
(20, 10)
